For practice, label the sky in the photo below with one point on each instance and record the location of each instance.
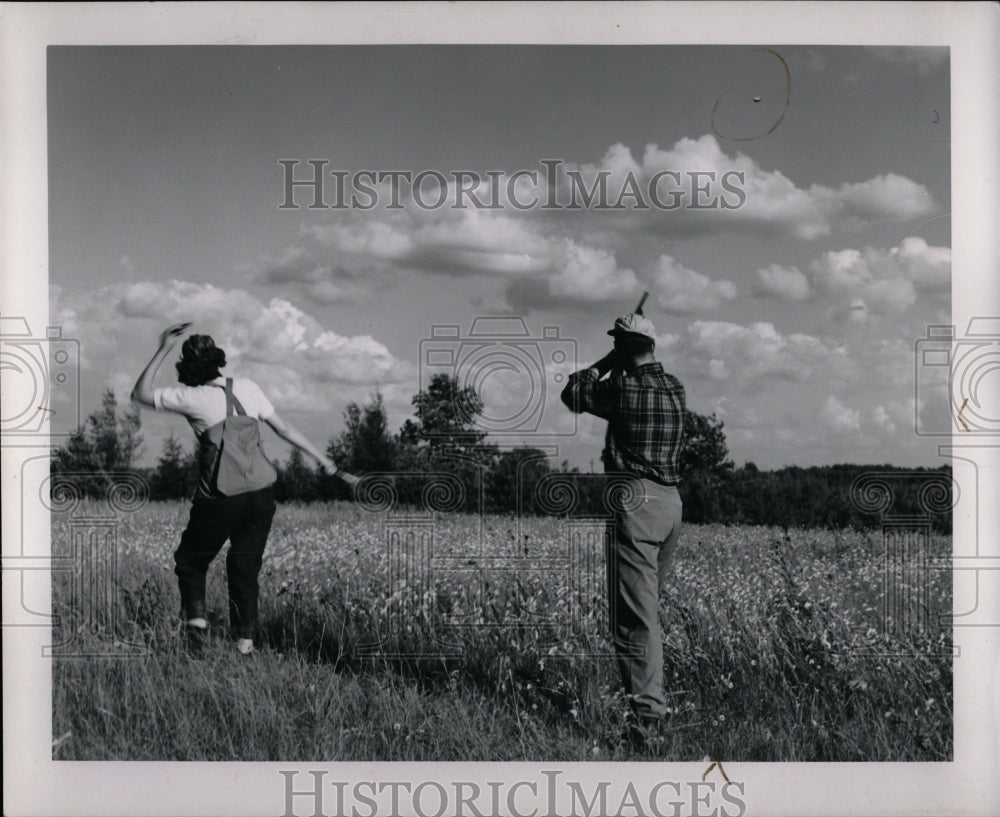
(787, 208)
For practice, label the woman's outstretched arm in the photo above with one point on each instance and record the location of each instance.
(292, 435)
(142, 392)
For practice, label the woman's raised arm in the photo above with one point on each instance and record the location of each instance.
(142, 392)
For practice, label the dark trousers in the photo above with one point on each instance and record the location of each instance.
(246, 521)
(641, 546)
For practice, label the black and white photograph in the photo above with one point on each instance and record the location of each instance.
(410, 410)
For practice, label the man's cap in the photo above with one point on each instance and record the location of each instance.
(634, 324)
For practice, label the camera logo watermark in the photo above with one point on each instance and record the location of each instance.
(552, 185)
(957, 395)
(910, 566)
(34, 369)
(90, 624)
(85, 567)
(958, 379)
(518, 376)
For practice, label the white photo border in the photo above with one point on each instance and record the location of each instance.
(38, 785)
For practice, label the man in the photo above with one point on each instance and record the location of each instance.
(644, 407)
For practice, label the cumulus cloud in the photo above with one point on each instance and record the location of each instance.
(789, 389)
(589, 274)
(878, 197)
(891, 361)
(449, 242)
(681, 290)
(583, 275)
(839, 417)
(694, 182)
(928, 267)
(882, 418)
(784, 283)
(293, 265)
(305, 366)
(879, 281)
(362, 236)
(853, 313)
(704, 188)
(299, 268)
(732, 352)
(545, 260)
(747, 194)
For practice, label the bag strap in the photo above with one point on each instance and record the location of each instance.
(232, 401)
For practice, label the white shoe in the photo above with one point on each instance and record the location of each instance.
(245, 646)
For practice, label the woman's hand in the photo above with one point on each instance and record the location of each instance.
(170, 335)
(327, 465)
(331, 468)
(142, 392)
(350, 479)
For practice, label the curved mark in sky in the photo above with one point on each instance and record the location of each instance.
(784, 110)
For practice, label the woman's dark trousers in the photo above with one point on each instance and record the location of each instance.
(245, 520)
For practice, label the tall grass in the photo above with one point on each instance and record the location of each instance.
(773, 651)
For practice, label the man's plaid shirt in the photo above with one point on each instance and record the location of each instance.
(645, 413)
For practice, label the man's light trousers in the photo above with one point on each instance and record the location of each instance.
(640, 549)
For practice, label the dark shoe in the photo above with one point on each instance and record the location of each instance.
(195, 640)
(643, 733)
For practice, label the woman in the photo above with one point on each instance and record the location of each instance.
(205, 398)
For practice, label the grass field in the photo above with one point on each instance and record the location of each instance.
(776, 647)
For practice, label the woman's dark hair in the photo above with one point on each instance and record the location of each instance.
(200, 361)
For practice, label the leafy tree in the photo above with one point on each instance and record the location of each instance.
(513, 478)
(446, 415)
(705, 468)
(107, 443)
(444, 439)
(365, 445)
(116, 437)
(77, 455)
(176, 472)
(297, 481)
(705, 448)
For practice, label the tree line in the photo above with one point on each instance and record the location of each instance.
(440, 459)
